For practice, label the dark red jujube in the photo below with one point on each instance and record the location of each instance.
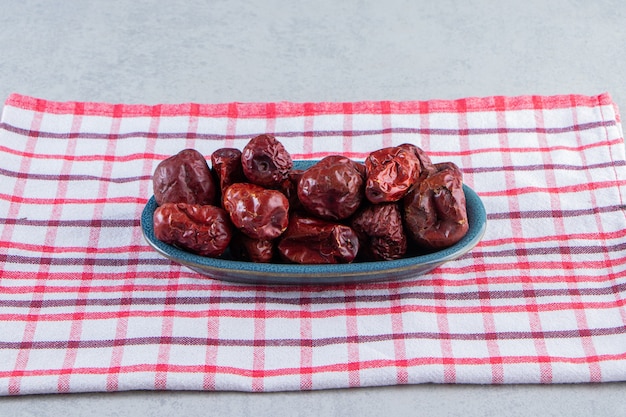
(332, 189)
(266, 162)
(390, 174)
(245, 248)
(202, 229)
(184, 178)
(381, 232)
(226, 163)
(310, 240)
(256, 211)
(435, 213)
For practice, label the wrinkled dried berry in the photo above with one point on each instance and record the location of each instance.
(332, 189)
(391, 173)
(435, 213)
(245, 248)
(289, 187)
(380, 231)
(266, 162)
(226, 163)
(258, 212)
(426, 165)
(202, 229)
(184, 178)
(310, 240)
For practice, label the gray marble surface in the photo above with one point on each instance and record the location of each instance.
(141, 51)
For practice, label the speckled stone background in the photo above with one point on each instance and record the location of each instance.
(146, 51)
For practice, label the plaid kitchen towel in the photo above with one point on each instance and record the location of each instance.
(87, 305)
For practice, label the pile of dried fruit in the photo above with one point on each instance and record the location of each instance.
(256, 204)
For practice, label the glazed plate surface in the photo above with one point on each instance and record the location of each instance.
(293, 274)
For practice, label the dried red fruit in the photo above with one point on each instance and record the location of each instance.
(380, 231)
(426, 165)
(184, 178)
(332, 189)
(202, 229)
(258, 212)
(310, 240)
(391, 174)
(266, 162)
(245, 248)
(435, 213)
(226, 163)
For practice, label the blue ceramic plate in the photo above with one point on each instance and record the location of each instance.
(359, 272)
